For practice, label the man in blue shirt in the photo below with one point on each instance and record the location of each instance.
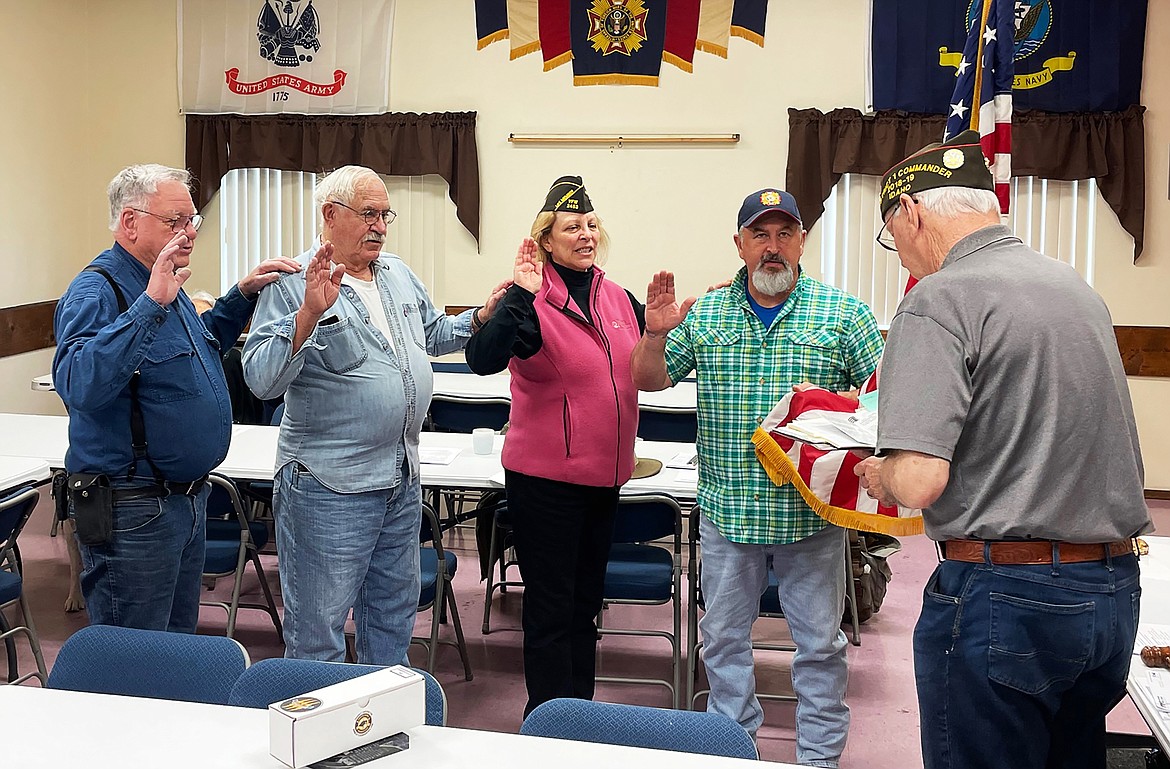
(147, 572)
(346, 343)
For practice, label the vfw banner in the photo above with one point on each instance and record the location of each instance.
(273, 56)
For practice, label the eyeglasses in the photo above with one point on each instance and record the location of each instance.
(176, 223)
(885, 238)
(370, 215)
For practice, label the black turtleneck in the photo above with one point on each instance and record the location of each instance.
(515, 328)
(578, 283)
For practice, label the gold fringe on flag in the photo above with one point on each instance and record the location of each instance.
(713, 48)
(781, 470)
(678, 61)
(524, 50)
(557, 61)
(496, 36)
(615, 80)
(749, 35)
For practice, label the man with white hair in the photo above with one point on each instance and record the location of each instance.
(149, 415)
(346, 343)
(749, 344)
(1005, 416)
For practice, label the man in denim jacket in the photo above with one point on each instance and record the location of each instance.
(347, 345)
(147, 575)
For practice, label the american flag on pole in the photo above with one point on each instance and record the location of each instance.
(825, 479)
(987, 69)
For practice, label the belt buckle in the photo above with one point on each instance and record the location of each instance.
(181, 489)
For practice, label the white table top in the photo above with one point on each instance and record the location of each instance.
(252, 456)
(1144, 684)
(49, 728)
(681, 397)
(17, 471)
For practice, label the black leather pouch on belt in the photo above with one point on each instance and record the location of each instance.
(92, 503)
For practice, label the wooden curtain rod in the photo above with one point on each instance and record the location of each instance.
(620, 139)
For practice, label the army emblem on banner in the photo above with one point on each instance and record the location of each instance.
(282, 34)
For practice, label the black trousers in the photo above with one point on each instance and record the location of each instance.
(562, 534)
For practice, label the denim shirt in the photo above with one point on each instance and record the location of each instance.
(181, 390)
(354, 403)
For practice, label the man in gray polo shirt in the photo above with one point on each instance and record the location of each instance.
(1005, 416)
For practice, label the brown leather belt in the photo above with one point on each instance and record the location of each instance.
(1033, 552)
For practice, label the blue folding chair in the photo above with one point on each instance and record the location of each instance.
(437, 567)
(232, 543)
(667, 425)
(15, 510)
(638, 726)
(149, 663)
(277, 679)
(639, 572)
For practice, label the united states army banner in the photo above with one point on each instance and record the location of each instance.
(276, 56)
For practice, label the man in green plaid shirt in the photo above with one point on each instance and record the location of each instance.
(749, 344)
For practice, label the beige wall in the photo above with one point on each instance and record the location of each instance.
(77, 118)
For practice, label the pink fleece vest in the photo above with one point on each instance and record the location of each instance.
(574, 404)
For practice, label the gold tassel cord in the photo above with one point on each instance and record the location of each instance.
(781, 470)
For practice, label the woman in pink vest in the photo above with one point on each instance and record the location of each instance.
(565, 332)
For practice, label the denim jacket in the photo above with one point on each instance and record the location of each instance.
(354, 403)
(182, 391)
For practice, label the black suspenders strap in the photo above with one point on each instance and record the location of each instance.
(137, 423)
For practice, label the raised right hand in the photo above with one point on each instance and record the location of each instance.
(322, 282)
(165, 281)
(528, 272)
(663, 313)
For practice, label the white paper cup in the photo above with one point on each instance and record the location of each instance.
(482, 440)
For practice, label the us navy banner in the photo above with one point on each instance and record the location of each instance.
(275, 56)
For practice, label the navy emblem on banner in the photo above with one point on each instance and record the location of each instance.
(286, 38)
(1070, 55)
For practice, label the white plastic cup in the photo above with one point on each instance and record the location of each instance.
(482, 440)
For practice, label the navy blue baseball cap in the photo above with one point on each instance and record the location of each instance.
(762, 201)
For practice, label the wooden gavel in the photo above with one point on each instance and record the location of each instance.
(1156, 656)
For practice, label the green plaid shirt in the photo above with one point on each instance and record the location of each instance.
(822, 335)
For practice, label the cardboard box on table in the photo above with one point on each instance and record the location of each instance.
(346, 715)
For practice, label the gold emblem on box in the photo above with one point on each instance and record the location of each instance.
(300, 704)
(363, 723)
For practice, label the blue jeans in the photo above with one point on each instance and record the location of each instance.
(811, 577)
(1018, 665)
(148, 575)
(343, 551)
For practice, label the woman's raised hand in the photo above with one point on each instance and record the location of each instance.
(528, 272)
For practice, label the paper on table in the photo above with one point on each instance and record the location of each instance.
(686, 476)
(437, 455)
(684, 460)
(1151, 635)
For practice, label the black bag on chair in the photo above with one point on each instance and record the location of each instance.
(868, 552)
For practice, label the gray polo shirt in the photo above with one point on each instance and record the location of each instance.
(1005, 363)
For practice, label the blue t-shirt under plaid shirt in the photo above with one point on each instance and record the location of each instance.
(822, 335)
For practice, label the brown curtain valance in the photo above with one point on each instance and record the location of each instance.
(1106, 146)
(395, 144)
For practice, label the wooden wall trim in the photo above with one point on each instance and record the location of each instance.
(26, 327)
(1145, 350)
(1157, 494)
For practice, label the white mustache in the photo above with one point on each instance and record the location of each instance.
(375, 237)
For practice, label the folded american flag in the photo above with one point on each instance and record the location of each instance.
(825, 479)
